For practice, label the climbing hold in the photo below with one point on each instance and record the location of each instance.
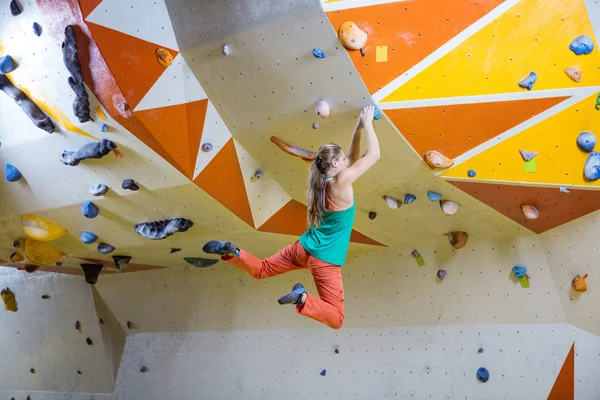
(471, 173)
(318, 53)
(91, 272)
(100, 114)
(104, 248)
(30, 268)
(434, 196)
(129, 184)
(457, 239)
(89, 341)
(258, 174)
(306, 155)
(122, 107)
(88, 237)
(59, 263)
(597, 106)
(530, 212)
(98, 190)
(15, 8)
(89, 210)
(591, 169)
(324, 372)
(336, 351)
(483, 375)
(174, 250)
(581, 45)
(586, 141)
(121, 262)
(163, 229)
(225, 49)
(480, 350)
(104, 128)
(529, 81)
(144, 369)
(563, 189)
(41, 229)
(322, 109)
(78, 372)
(32, 370)
(376, 113)
(7, 65)
(519, 271)
(351, 36)
(449, 207)
(528, 155)
(409, 198)
(41, 253)
(164, 57)
(392, 202)
(200, 262)
(315, 125)
(81, 103)
(437, 160)
(207, 147)
(101, 321)
(35, 114)
(37, 29)
(16, 257)
(573, 73)
(12, 173)
(89, 150)
(130, 325)
(372, 215)
(579, 284)
(45, 297)
(9, 299)
(442, 274)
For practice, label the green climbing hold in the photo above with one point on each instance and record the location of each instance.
(598, 102)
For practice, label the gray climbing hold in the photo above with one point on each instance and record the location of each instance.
(91, 272)
(442, 274)
(528, 155)
(37, 29)
(7, 65)
(529, 81)
(207, 147)
(315, 125)
(129, 184)
(434, 196)
(35, 114)
(89, 210)
(15, 8)
(409, 198)
(591, 169)
(89, 150)
(81, 103)
(12, 173)
(88, 237)
(98, 190)
(200, 262)
(121, 262)
(162, 229)
(581, 45)
(586, 141)
(104, 248)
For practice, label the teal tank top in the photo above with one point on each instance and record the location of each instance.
(330, 240)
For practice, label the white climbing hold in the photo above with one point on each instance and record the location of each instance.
(226, 50)
(322, 109)
(528, 155)
(563, 189)
(449, 207)
(392, 202)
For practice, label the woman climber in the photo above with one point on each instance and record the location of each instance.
(322, 248)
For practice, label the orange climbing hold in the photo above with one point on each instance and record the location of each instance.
(530, 212)
(437, 160)
(578, 283)
(164, 57)
(306, 155)
(457, 239)
(351, 36)
(573, 73)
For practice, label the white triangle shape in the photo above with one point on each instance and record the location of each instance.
(144, 19)
(214, 132)
(265, 195)
(177, 85)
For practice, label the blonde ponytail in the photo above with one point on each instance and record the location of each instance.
(316, 174)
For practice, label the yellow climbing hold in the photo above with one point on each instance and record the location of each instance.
(41, 229)
(41, 253)
(100, 113)
(9, 299)
(164, 57)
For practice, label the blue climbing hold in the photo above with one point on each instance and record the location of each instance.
(581, 45)
(88, 237)
(12, 173)
(586, 141)
(409, 198)
(323, 372)
(37, 29)
(104, 128)
(519, 271)
(591, 169)
(377, 114)
(528, 82)
(318, 53)
(483, 375)
(104, 248)
(144, 369)
(89, 210)
(434, 196)
(7, 65)
(471, 173)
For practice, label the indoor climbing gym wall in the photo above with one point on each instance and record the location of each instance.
(134, 131)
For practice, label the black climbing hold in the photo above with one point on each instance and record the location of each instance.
(323, 372)
(483, 375)
(200, 262)
(372, 215)
(121, 262)
(144, 369)
(81, 104)
(101, 320)
(89, 210)
(104, 248)
(130, 325)
(129, 184)
(362, 53)
(59, 263)
(175, 250)
(77, 325)
(16, 243)
(32, 370)
(35, 114)
(7, 65)
(207, 147)
(45, 297)
(89, 341)
(37, 29)
(89, 150)
(15, 8)
(98, 190)
(78, 372)
(162, 229)
(337, 351)
(480, 350)
(91, 272)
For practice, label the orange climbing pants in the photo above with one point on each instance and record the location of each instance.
(329, 308)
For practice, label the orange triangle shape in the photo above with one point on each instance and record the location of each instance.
(291, 220)
(223, 180)
(564, 386)
(555, 208)
(87, 6)
(132, 61)
(455, 129)
(410, 30)
(178, 130)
